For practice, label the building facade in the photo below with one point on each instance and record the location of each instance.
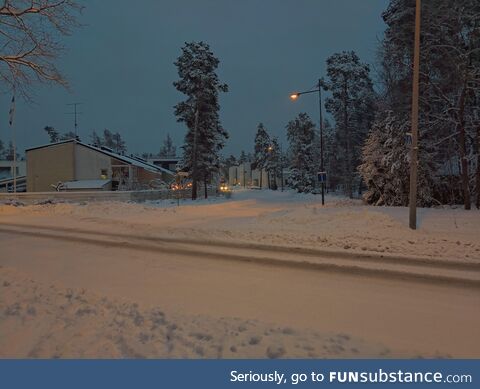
(69, 161)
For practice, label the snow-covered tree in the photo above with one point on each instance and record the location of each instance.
(230, 161)
(449, 82)
(112, 140)
(243, 157)
(274, 162)
(119, 145)
(261, 149)
(385, 167)
(95, 139)
(205, 137)
(52, 133)
(301, 135)
(352, 106)
(168, 149)
(10, 152)
(108, 139)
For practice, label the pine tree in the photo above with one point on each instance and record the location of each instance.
(108, 139)
(449, 82)
(274, 163)
(301, 135)
(168, 149)
(330, 155)
(95, 139)
(243, 158)
(10, 152)
(385, 165)
(230, 161)
(119, 145)
(52, 133)
(261, 150)
(352, 106)
(206, 136)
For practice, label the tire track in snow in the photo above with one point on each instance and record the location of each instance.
(357, 256)
(465, 275)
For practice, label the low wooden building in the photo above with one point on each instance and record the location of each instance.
(55, 163)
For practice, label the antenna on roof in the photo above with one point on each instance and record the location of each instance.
(75, 113)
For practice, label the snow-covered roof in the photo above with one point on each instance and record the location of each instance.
(129, 160)
(86, 184)
(170, 159)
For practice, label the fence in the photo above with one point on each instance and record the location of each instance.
(84, 196)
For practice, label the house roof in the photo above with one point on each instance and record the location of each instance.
(128, 160)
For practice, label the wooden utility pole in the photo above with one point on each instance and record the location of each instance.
(415, 103)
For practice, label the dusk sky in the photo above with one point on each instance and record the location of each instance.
(120, 65)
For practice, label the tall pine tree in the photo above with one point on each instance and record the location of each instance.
(261, 150)
(301, 136)
(168, 149)
(205, 137)
(352, 104)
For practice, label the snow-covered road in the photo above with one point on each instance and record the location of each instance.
(374, 316)
(254, 277)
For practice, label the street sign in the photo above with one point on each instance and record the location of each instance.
(322, 176)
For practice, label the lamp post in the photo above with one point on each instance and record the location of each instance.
(295, 96)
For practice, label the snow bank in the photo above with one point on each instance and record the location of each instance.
(286, 218)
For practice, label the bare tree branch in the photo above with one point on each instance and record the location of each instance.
(30, 32)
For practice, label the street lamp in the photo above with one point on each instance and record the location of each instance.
(295, 96)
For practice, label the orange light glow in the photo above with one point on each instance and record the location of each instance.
(294, 96)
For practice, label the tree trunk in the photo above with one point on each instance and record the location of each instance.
(348, 162)
(261, 175)
(205, 185)
(478, 168)
(194, 165)
(463, 150)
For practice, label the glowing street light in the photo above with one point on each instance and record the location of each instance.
(294, 96)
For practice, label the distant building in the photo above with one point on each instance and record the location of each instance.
(243, 175)
(73, 161)
(169, 163)
(6, 169)
(6, 176)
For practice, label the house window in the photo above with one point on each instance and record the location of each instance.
(104, 174)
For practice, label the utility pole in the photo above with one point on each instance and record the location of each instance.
(321, 139)
(14, 141)
(415, 109)
(75, 113)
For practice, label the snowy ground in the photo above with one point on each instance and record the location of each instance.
(145, 280)
(286, 219)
